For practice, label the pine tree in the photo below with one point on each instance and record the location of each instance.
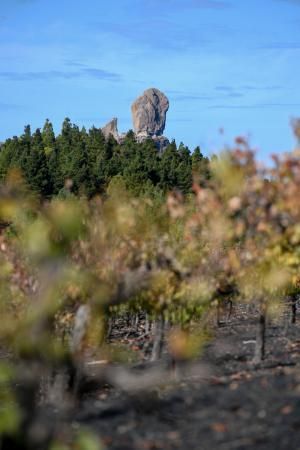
(200, 167)
(36, 168)
(25, 145)
(54, 170)
(107, 163)
(79, 167)
(48, 137)
(64, 153)
(95, 143)
(10, 156)
(169, 163)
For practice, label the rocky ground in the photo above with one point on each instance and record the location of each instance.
(223, 403)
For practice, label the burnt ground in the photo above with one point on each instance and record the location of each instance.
(235, 405)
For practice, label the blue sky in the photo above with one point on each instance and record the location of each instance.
(231, 64)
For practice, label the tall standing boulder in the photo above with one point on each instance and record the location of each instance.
(149, 113)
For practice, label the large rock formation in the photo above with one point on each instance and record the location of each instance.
(149, 119)
(149, 113)
(111, 129)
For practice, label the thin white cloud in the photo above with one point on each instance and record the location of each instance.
(54, 74)
(9, 106)
(256, 106)
(292, 2)
(280, 46)
(187, 4)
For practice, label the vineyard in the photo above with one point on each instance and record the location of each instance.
(144, 322)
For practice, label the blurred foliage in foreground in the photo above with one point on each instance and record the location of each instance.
(74, 264)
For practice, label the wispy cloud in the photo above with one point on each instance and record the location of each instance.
(20, 1)
(292, 2)
(100, 74)
(235, 94)
(225, 93)
(74, 63)
(9, 106)
(190, 97)
(256, 106)
(169, 25)
(274, 87)
(246, 88)
(17, 2)
(224, 88)
(280, 46)
(208, 4)
(211, 4)
(157, 33)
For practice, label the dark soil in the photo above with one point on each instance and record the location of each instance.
(235, 406)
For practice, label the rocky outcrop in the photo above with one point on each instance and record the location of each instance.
(149, 119)
(161, 142)
(111, 129)
(149, 113)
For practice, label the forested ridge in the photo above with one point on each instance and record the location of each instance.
(84, 162)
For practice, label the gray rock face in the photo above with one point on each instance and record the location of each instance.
(161, 142)
(111, 128)
(149, 119)
(149, 113)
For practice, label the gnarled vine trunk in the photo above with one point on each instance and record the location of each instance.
(158, 331)
(259, 354)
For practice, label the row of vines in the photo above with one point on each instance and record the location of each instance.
(69, 269)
